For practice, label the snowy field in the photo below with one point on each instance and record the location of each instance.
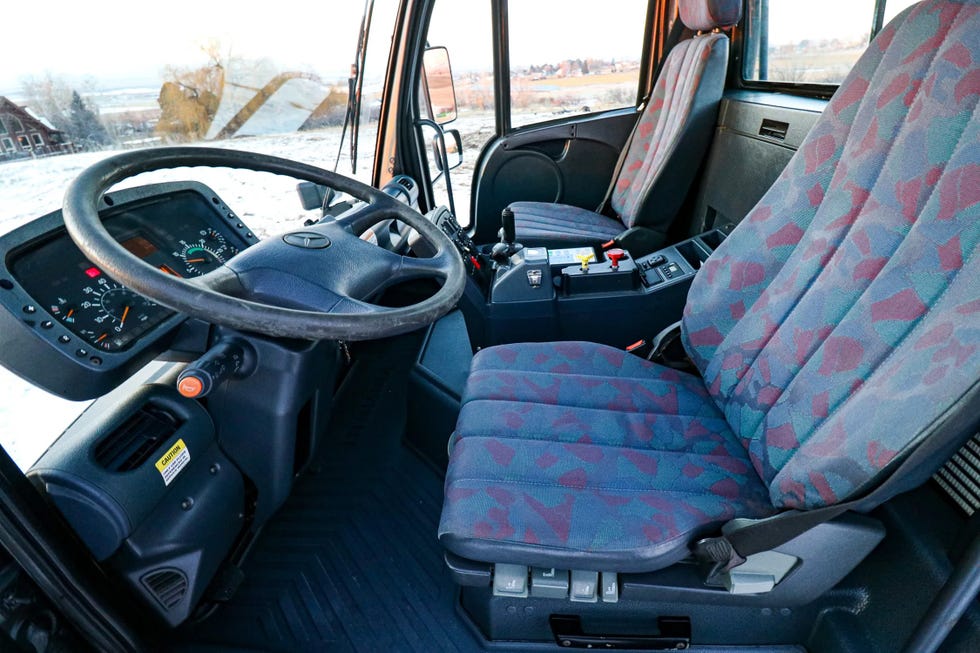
(30, 419)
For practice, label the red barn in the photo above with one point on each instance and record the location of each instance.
(23, 134)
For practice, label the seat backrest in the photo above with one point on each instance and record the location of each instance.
(840, 322)
(673, 133)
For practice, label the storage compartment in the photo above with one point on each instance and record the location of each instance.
(693, 253)
(697, 250)
(145, 486)
(711, 239)
(436, 386)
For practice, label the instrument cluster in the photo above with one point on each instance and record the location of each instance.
(52, 291)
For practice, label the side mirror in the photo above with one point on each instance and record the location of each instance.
(452, 157)
(437, 76)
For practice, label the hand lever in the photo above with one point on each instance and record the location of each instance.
(615, 256)
(508, 232)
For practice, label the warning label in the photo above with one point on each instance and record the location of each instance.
(173, 461)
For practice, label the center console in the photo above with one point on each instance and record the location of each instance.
(585, 294)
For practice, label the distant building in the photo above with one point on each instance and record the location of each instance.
(22, 134)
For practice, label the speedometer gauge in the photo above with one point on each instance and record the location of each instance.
(111, 316)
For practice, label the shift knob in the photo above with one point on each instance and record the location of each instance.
(508, 232)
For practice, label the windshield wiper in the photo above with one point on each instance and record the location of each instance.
(354, 86)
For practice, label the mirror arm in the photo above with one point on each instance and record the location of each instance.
(443, 156)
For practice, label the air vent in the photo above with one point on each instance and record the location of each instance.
(168, 586)
(135, 440)
(406, 182)
(960, 476)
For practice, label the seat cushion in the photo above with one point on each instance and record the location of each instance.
(560, 225)
(570, 453)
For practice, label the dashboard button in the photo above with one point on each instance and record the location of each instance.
(190, 387)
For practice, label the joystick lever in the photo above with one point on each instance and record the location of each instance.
(506, 248)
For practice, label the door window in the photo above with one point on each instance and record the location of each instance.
(790, 41)
(568, 58)
(463, 28)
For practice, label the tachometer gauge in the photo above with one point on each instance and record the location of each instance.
(111, 315)
(205, 254)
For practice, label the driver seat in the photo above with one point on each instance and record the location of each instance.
(836, 330)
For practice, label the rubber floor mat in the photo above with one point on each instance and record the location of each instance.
(351, 562)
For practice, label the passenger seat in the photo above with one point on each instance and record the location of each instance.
(664, 151)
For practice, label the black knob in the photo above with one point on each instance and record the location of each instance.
(508, 232)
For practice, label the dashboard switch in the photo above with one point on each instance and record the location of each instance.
(223, 361)
(190, 387)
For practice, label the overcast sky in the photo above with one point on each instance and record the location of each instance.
(117, 41)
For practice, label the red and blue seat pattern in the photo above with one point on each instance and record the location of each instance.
(835, 330)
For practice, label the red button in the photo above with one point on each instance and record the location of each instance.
(615, 255)
(190, 387)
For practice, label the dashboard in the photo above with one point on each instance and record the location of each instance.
(96, 330)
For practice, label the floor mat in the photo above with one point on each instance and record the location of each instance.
(351, 562)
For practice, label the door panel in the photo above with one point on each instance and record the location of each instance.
(757, 134)
(570, 163)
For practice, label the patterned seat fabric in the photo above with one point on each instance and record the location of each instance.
(857, 324)
(583, 448)
(665, 149)
(836, 329)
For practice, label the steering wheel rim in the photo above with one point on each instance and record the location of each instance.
(210, 297)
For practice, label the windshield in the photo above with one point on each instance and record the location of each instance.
(106, 78)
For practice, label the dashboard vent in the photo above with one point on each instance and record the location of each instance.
(168, 586)
(960, 476)
(135, 440)
(406, 182)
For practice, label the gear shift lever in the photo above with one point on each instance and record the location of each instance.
(506, 248)
(508, 232)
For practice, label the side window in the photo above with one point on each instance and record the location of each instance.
(471, 55)
(568, 58)
(790, 41)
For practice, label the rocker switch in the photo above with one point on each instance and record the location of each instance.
(610, 587)
(584, 586)
(549, 583)
(510, 580)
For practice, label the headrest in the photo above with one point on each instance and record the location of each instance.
(705, 15)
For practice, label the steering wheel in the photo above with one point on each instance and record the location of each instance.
(312, 283)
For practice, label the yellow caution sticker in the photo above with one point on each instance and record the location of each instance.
(174, 461)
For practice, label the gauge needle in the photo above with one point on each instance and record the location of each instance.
(70, 313)
(122, 321)
(102, 337)
(196, 260)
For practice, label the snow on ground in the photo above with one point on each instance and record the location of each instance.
(30, 418)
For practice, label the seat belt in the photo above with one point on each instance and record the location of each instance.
(731, 549)
(677, 30)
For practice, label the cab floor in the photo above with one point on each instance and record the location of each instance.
(351, 562)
